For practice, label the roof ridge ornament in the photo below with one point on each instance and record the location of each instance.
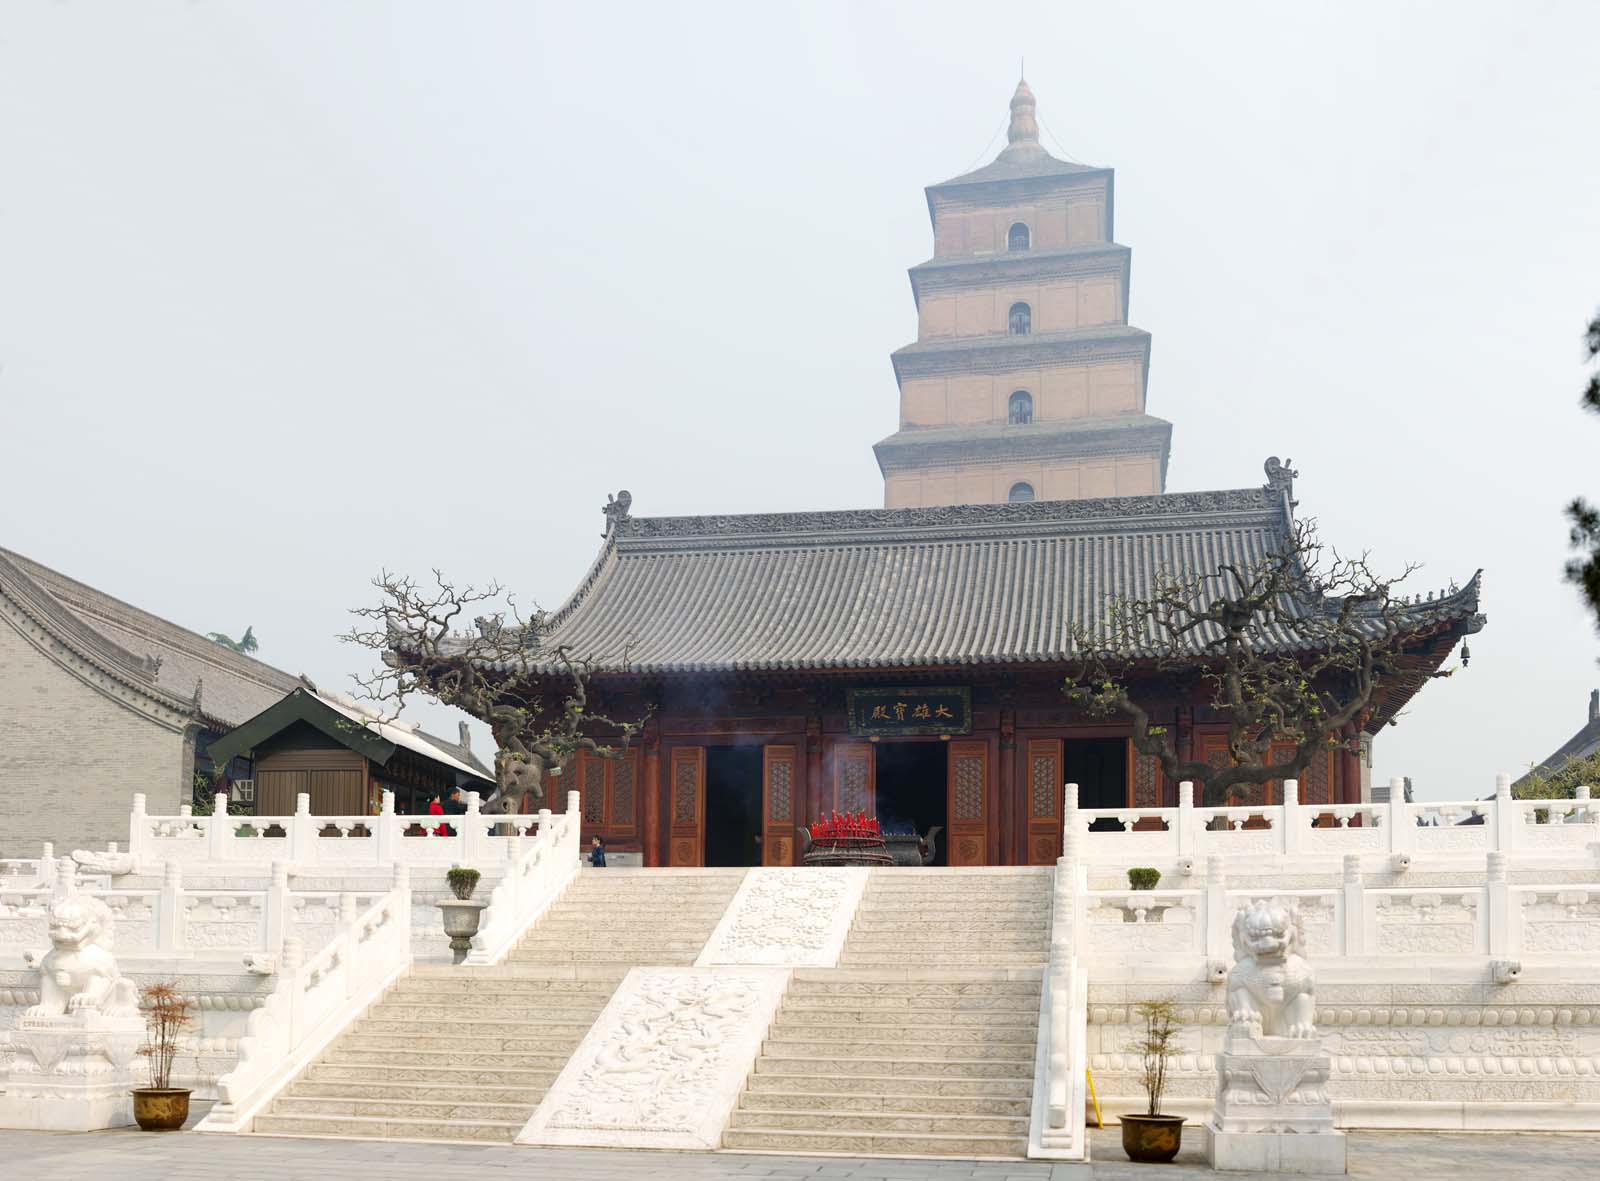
(1280, 477)
(616, 511)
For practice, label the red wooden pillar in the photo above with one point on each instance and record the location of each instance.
(814, 788)
(1007, 810)
(651, 841)
(1349, 769)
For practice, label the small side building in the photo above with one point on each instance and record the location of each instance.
(98, 700)
(344, 754)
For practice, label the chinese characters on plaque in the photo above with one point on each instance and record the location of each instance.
(875, 712)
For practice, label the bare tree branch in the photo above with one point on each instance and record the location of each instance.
(497, 672)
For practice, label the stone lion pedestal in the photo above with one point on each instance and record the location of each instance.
(72, 1070)
(1272, 1113)
(71, 1073)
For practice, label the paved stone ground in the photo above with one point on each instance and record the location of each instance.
(185, 1156)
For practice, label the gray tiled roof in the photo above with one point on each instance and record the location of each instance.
(234, 687)
(901, 588)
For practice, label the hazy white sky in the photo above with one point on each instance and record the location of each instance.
(292, 292)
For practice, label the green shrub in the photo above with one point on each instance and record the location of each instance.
(462, 881)
(1143, 877)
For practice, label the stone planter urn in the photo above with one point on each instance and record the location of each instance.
(461, 919)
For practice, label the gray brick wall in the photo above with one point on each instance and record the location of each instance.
(71, 758)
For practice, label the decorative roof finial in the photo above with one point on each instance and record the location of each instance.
(1024, 128)
(616, 510)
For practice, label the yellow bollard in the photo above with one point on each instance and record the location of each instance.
(1093, 1098)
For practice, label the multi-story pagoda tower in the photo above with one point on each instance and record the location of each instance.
(1026, 381)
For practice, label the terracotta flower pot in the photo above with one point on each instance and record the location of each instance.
(1152, 1139)
(161, 1109)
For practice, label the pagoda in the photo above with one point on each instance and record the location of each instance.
(1026, 381)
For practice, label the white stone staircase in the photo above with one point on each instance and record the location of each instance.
(922, 1042)
(466, 1053)
(908, 1067)
(610, 920)
(447, 1054)
(943, 918)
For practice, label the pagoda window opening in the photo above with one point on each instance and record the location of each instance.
(1018, 238)
(1021, 319)
(1021, 492)
(1019, 411)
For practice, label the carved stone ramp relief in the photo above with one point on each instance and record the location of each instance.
(664, 1063)
(789, 917)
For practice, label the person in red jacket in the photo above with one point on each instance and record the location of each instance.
(435, 808)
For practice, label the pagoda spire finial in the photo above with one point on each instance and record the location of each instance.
(1023, 134)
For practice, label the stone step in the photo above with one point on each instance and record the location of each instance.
(630, 958)
(372, 1128)
(430, 1058)
(445, 1042)
(590, 940)
(832, 1123)
(869, 1086)
(471, 1032)
(453, 1109)
(948, 942)
(906, 1033)
(472, 1008)
(310, 1086)
(910, 1050)
(428, 1075)
(827, 1017)
(839, 984)
(629, 920)
(874, 1144)
(469, 983)
(885, 1099)
(901, 1064)
(874, 960)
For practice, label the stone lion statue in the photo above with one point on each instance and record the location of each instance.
(78, 972)
(1271, 990)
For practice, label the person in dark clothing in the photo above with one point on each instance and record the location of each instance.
(597, 853)
(455, 805)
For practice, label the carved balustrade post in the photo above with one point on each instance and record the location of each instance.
(138, 826)
(47, 864)
(1506, 816)
(277, 908)
(1188, 835)
(1505, 917)
(350, 933)
(1289, 840)
(1355, 907)
(219, 832)
(387, 835)
(474, 834)
(302, 833)
(1401, 838)
(1071, 825)
(1219, 918)
(170, 935)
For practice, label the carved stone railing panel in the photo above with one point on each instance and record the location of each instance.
(664, 1063)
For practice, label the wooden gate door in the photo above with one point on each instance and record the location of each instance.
(777, 804)
(686, 830)
(1045, 789)
(855, 778)
(968, 780)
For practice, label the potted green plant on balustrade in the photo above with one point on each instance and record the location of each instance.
(1143, 877)
(1151, 1136)
(168, 1014)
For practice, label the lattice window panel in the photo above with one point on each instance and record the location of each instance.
(592, 783)
(780, 792)
(853, 785)
(1044, 787)
(684, 784)
(622, 792)
(969, 788)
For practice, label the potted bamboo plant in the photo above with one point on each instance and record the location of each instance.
(1150, 1136)
(463, 913)
(161, 1107)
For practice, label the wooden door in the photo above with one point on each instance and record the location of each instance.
(967, 802)
(855, 778)
(338, 793)
(276, 790)
(777, 803)
(686, 829)
(1045, 788)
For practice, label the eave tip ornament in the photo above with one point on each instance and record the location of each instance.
(1280, 476)
(616, 510)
